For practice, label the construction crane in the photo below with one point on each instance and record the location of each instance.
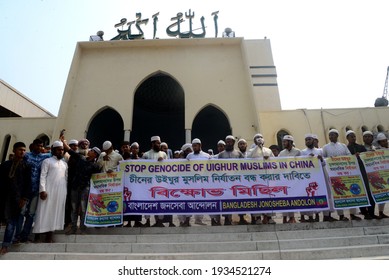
(383, 101)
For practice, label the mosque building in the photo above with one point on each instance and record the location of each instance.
(179, 89)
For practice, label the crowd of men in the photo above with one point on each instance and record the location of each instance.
(41, 191)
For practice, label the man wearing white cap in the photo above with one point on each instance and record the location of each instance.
(197, 151)
(155, 153)
(197, 154)
(259, 151)
(368, 138)
(186, 150)
(165, 148)
(230, 152)
(382, 141)
(79, 183)
(289, 151)
(50, 214)
(333, 149)
(356, 149)
(221, 145)
(312, 151)
(242, 146)
(109, 159)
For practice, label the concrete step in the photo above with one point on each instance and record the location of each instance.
(362, 239)
(354, 252)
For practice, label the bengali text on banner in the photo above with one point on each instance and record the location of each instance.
(377, 169)
(105, 203)
(347, 187)
(219, 186)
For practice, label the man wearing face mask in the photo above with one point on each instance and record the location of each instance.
(50, 215)
(259, 151)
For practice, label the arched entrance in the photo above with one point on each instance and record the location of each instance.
(106, 125)
(210, 125)
(159, 109)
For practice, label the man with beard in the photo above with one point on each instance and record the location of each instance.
(155, 153)
(230, 152)
(242, 145)
(356, 149)
(260, 152)
(109, 159)
(333, 149)
(312, 151)
(15, 180)
(79, 183)
(197, 154)
(289, 151)
(50, 215)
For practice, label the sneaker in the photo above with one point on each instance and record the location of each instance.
(199, 222)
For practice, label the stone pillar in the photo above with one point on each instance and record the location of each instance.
(188, 136)
(127, 134)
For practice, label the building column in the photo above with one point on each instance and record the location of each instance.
(188, 136)
(127, 134)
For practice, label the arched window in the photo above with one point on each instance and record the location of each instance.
(380, 128)
(280, 136)
(4, 150)
(210, 125)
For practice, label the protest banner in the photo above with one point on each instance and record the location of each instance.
(223, 186)
(105, 202)
(377, 169)
(345, 179)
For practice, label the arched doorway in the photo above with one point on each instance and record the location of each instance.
(210, 125)
(159, 109)
(106, 125)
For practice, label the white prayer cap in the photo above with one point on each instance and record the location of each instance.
(163, 144)
(367, 132)
(73, 142)
(177, 152)
(83, 141)
(314, 136)
(230, 137)
(258, 135)
(381, 137)
(308, 135)
(242, 140)
(155, 138)
(288, 137)
(221, 142)
(333, 131)
(196, 141)
(107, 145)
(186, 146)
(349, 132)
(96, 150)
(135, 144)
(57, 144)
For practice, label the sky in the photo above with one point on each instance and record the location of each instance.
(328, 54)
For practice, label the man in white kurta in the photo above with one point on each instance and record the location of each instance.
(50, 215)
